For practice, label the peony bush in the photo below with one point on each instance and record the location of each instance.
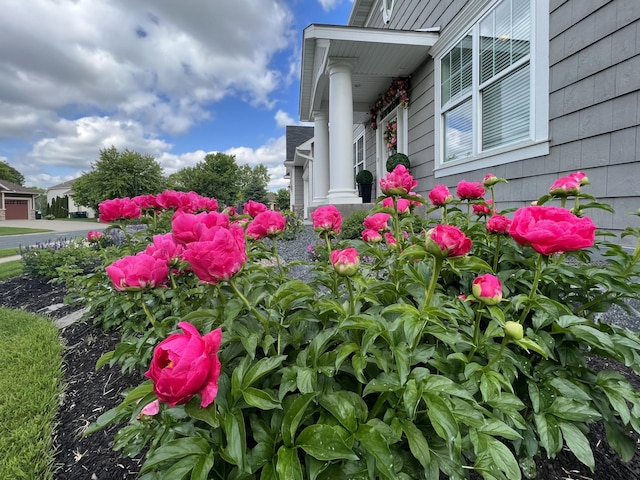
(462, 347)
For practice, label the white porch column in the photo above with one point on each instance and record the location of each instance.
(341, 172)
(320, 174)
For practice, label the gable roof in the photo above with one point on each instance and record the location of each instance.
(66, 184)
(9, 187)
(296, 136)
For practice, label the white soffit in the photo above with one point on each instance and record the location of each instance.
(380, 55)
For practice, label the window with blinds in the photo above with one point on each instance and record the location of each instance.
(485, 83)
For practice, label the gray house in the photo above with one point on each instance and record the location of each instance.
(528, 90)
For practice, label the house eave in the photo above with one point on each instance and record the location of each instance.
(378, 56)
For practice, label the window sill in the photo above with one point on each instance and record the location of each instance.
(500, 156)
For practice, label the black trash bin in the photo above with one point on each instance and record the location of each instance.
(38, 215)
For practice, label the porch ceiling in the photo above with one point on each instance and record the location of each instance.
(378, 55)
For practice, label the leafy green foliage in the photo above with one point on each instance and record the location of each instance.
(118, 174)
(364, 176)
(352, 227)
(59, 208)
(7, 172)
(283, 199)
(397, 159)
(388, 373)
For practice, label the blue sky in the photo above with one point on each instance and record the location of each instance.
(175, 80)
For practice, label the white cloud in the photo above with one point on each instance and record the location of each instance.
(80, 141)
(283, 119)
(271, 155)
(150, 59)
(330, 4)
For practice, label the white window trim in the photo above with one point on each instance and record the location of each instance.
(538, 144)
(359, 133)
(401, 114)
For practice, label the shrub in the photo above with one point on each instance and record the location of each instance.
(364, 177)
(352, 225)
(397, 159)
(293, 226)
(445, 352)
(60, 258)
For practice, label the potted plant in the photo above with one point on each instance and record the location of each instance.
(396, 159)
(364, 179)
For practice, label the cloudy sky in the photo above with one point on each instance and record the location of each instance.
(173, 79)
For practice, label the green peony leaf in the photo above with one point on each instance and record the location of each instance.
(325, 442)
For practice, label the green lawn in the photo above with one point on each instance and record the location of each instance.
(31, 385)
(8, 252)
(10, 270)
(19, 231)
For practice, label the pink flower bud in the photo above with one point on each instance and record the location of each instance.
(398, 182)
(345, 262)
(487, 289)
(371, 236)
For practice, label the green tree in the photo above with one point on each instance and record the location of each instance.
(217, 176)
(118, 174)
(7, 172)
(283, 199)
(254, 183)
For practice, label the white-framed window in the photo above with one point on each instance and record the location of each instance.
(492, 91)
(358, 155)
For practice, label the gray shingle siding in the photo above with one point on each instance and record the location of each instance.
(594, 104)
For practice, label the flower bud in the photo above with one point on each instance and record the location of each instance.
(487, 289)
(490, 180)
(345, 262)
(513, 330)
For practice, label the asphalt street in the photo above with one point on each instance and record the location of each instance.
(60, 230)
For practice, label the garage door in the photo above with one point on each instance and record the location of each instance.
(17, 209)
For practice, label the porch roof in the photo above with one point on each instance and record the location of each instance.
(378, 56)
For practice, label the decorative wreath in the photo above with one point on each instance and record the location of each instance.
(399, 90)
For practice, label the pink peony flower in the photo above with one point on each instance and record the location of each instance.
(118, 209)
(252, 208)
(172, 200)
(218, 257)
(146, 202)
(402, 203)
(398, 182)
(266, 224)
(551, 230)
(470, 190)
(327, 219)
(165, 247)
(345, 262)
(150, 410)
(498, 224)
(371, 236)
(482, 210)
(94, 236)
(390, 240)
(487, 289)
(186, 364)
(189, 227)
(440, 195)
(447, 241)
(138, 271)
(377, 222)
(568, 185)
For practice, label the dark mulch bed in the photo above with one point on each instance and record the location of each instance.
(89, 393)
